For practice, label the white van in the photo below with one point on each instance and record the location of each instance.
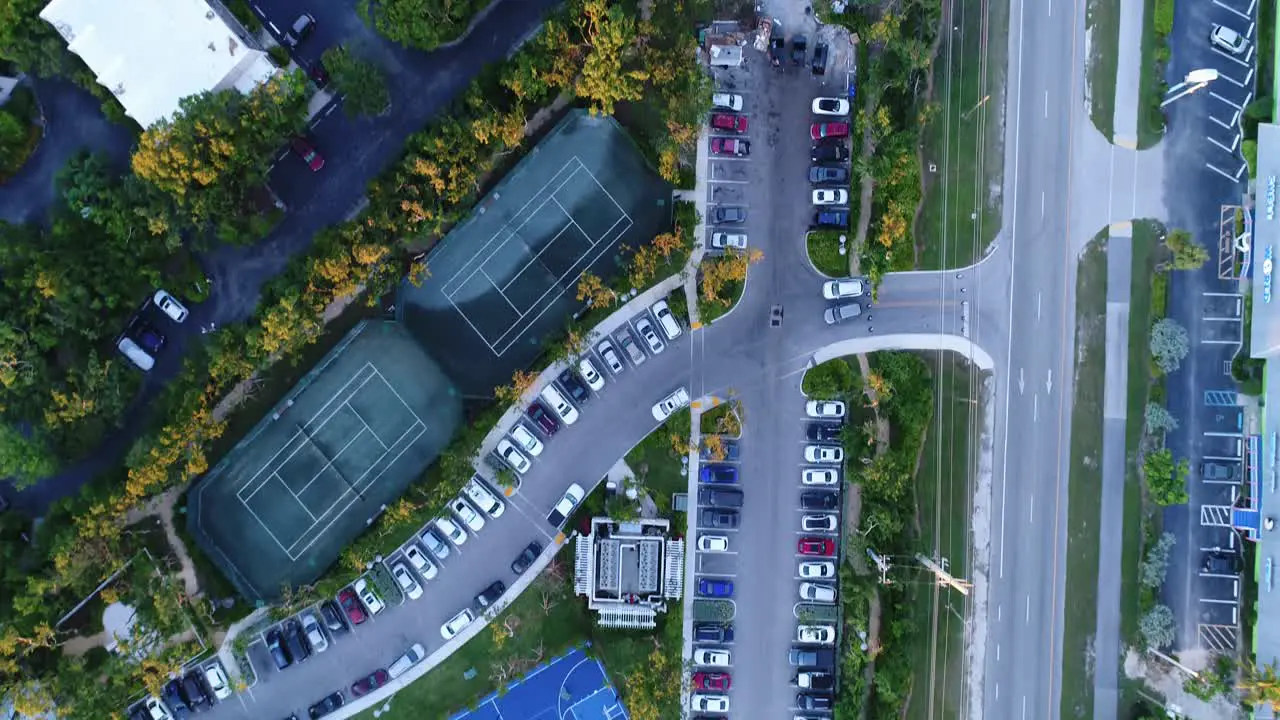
(411, 657)
(670, 326)
(568, 413)
(136, 354)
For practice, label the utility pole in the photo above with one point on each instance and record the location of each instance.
(944, 578)
(882, 564)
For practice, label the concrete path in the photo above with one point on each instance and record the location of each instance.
(1106, 676)
(1128, 74)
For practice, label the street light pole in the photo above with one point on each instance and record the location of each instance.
(1194, 81)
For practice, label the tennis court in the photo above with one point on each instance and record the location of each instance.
(506, 277)
(571, 687)
(344, 443)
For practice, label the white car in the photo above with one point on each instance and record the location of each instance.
(456, 535)
(1227, 39)
(513, 457)
(610, 356)
(477, 493)
(727, 101)
(420, 561)
(589, 373)
(816, 634)
(722, 240)
(830, 106)
(457, 624)
(713, 543)
(217, 682)
(813, 592)
(709, 703)
(824, 409)
(650, 336)
(841, 289)
(155, 709)
(567, 503)
(369, 597)
(819, 476)
(830, 196)
(405, 580)
(823, 454)
(711, 656)
(666, 320)
(315, 636)
(435, 543)
(468, 514)
(527, 441)
(817, 570)
(176, 311)
(669, 404)
(818, 523)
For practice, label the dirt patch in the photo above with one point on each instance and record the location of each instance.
(1165, 679)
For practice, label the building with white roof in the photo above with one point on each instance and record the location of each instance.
(628, 570)
(152, 53)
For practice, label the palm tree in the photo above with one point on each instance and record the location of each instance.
(1260, 684)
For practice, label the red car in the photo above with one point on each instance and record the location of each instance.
(351, 606)
(730, 146)
(309, 154)
(711, 681)
(816, 546)
(370, 682)
(732, 123)
(817, 131)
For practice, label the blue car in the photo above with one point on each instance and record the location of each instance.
(708, 587)
(721, 474)
(831, 218)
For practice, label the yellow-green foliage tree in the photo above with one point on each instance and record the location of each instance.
(611, 70)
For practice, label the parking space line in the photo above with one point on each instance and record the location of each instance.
(1217, 575)
(1233, 58)
(1230, 126)
(728, 182)
(1216, 95)
(1225, 174)
(1213, 601)
(1230, 9)
(1224, 148)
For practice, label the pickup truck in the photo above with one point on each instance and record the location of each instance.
(811, 657)
(810, 680)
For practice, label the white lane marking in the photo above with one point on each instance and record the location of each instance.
(1024, 707)
(997, 652)
(1035, 407)
(999, 611)
(1031, 516)
(1037, 306)
(1046, 103)
(1028, 618)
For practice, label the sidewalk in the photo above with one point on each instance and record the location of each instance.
(699, 198)
(1128, 74)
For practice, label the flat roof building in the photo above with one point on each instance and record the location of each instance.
(152, 53)
(628, 570)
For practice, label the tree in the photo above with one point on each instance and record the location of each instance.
(421, 24)
(521, 381)
(30, 42)
(1166, 481)
(1157, 627)
(1156, 563)
(13, 143)
(362, 84)
(24, 458)
(1187, 253)
(1260, 684)
(593, 291)
(653, 688)
(610, 71)
(1159, 419)
(1169, 344)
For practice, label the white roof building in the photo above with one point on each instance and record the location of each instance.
(152, 53)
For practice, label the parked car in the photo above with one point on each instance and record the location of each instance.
(814, 680)
(169, 305)
(677, 399)
(819, 476)
(713, 543)
(457, 623)
(275, 648)
(711, 681)
(722, 214)
(411, 657)
(799, 48)
(369, 597)
(820, 130)
(736, 147)
(843, 312)
(565, 506)
(650, 336)
(419, 560)
(724, 240)
(842, 289)
(491, 594)
(155, 710)
(296, 641)
(301, 28)
(632, 350)
(818, 500)
(559, 404)
(468, 514)
(525, 440)
(315, 634)
(831, 218)
(193, 691)
(666, 320)
(217, 681)
(435, 543)
(303, 148)
(720, 497)
(715, 657)
(818, 523)
(1217, 471)
(823, 454)
(820, 546)
(370, 682)
(727, 101)
(819, 65)
(811, 657)
(709, 703)
(476, 491)
(823, 432)
(831, 151)
(1229, 40)
(1219, 563)
(712, 632)
(542, 418)
(450, 529)
(328, 704)
(830, 105)
(825, 409)
(810, 701)
(408, 585)
(819, 174)
(816, 634)
(150, 339)
(715, 587)
(140, 358)
(815, 592)
(351, 606)
(578, 391)
(720, 474)
(731, 123)
(526, 558)
(610, 356)
(718, 518)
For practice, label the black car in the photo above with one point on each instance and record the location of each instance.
(302, 27)
(333, 618)
(575, 387)
(830, 151)
(722, 214)
(526, 558)
(296, 640)
(718, 518)
(712, 632)
(275, 646)
(327, 705)
(370, 682)
(1222, 564)
(823, 432)
(819, 65)
(537, 412)
(818, 500)
(809, 701)
(777, 47)
(194, 692)
(491, 594)
(799, 46)
(825, 174)
(172, 696)
(720, 497)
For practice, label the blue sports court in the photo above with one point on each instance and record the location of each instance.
(571, 687)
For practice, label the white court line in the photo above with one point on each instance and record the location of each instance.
(366, 426)
(543, 249)
(330, 462)
(398, 396)
(500, 290)
(305, 509)
(268, 529)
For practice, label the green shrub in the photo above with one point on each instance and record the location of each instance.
(1249, 148)
(832, 380)
(824, 252)
(245, 14)
(1163, 17)
(279, 56)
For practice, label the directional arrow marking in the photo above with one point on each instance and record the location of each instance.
(1022, 383)
(1048, 383)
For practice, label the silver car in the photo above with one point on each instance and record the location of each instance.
(841, 313)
